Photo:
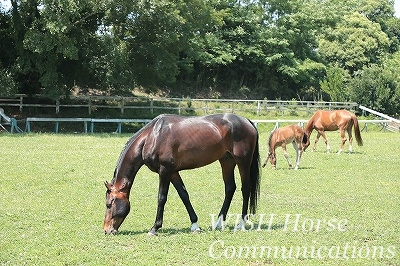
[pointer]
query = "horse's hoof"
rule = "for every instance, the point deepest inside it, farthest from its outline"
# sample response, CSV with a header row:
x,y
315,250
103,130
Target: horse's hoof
x,y
197,231
152,233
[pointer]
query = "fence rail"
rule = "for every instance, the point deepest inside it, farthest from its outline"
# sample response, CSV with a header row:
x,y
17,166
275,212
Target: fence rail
x,y
120,122
178,105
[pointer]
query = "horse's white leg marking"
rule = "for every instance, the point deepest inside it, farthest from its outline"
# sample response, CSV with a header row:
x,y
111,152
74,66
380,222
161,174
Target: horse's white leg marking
x,y
241,225
218,223
195,228
328,148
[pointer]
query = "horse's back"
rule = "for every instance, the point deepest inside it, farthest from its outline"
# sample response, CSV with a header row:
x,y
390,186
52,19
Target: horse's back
x,y
286,134
191,142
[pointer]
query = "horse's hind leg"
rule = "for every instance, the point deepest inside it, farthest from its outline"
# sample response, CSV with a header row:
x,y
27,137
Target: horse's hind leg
x,y
246,190
343,136
228,173
297,148
184,195
350,139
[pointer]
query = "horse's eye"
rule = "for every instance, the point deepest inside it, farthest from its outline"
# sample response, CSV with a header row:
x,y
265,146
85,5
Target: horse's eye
x,y
109,203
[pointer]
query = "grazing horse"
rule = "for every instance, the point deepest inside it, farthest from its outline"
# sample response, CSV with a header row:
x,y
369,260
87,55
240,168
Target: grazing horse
x,y
171,143
282,137
333,120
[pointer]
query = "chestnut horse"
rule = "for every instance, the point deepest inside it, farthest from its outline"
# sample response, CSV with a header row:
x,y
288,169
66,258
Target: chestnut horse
x,y
171,143
282,137
343,120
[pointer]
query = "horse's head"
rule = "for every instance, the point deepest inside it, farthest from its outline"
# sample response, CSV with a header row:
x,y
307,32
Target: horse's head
x,y
272,159
118,207
305,142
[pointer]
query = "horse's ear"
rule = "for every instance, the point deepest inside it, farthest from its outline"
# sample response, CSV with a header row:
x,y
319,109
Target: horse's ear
x,y
108,185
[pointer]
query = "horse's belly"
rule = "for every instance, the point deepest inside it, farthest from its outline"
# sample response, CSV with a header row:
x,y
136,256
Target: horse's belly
x,y
195,158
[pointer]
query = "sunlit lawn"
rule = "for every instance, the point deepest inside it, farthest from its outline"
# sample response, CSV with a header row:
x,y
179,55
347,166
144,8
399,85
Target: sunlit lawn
x,y
335,210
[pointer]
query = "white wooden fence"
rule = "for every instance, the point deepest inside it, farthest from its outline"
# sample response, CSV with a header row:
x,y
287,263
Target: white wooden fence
x,y
186,104
176,105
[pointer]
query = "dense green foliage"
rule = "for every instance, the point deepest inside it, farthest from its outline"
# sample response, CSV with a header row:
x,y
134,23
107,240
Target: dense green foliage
x,y
53,204
249,49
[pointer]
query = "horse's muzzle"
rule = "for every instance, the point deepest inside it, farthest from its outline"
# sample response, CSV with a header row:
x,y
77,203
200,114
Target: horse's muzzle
x,y
110,231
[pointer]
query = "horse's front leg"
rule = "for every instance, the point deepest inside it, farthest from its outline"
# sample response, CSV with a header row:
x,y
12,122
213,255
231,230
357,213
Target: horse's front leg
x,y
184,195
322,133
286,154
163,187
316,141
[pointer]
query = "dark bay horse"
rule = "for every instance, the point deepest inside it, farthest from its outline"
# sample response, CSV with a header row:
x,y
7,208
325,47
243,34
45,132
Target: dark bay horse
x,y
171,143
283,136
341,120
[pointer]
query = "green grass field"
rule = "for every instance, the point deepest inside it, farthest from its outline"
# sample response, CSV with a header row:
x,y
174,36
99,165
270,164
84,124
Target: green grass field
x,y
335,210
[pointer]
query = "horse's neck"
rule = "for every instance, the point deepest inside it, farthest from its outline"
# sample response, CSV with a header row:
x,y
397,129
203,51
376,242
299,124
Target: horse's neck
x,y
272,142
128,165
309,127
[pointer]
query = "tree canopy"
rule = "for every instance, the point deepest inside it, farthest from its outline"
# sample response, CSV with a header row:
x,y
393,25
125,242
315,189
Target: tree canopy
x,y
315,49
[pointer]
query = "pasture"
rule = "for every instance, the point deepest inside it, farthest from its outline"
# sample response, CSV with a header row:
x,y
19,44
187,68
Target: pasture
x,y
335,210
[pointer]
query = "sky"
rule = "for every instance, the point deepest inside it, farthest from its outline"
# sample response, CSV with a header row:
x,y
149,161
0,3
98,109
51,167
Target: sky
x,y
7,3
397,8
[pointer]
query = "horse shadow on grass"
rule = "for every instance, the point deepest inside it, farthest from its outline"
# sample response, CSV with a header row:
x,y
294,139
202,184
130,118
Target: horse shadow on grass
x,y
344,152
292,169
255,227
161,231
229,228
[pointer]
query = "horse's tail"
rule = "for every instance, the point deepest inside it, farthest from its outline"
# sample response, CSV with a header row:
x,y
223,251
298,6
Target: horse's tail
x,y
357,130
255,175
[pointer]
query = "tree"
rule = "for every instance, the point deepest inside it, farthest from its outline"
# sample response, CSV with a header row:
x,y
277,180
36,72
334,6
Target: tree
x,y
7,83
335,84
53,43
354,43
377,87
257,49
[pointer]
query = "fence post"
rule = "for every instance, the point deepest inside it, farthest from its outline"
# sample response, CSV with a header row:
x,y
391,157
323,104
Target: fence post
x,y
151,106
122,105
57,105
258,107
90,105
21,99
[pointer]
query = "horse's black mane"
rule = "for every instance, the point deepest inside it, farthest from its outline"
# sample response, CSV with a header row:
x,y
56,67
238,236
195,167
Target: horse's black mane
x,y
129,143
